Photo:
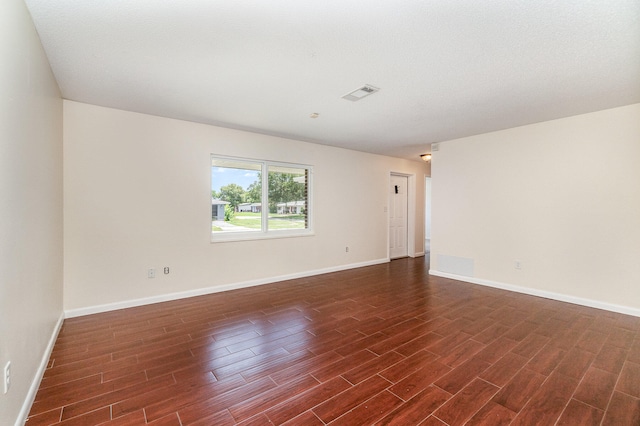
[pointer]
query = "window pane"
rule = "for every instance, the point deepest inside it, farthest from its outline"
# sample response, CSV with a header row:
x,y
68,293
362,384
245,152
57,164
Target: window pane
x,y
255,199
288,198
236,196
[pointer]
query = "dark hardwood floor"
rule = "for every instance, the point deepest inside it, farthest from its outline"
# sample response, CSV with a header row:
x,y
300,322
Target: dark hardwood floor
x,y
385,344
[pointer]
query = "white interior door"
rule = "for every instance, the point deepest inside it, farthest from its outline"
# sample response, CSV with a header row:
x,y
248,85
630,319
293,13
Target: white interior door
x,y
398,221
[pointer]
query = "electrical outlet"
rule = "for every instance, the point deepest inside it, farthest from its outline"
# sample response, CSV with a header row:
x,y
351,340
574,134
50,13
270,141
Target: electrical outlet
x,y
151,273
517,264
166,270
7,376
346,249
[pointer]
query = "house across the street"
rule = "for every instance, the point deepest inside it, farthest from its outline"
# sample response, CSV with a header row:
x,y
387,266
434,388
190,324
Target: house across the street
x,y
292,207
250,207
217,209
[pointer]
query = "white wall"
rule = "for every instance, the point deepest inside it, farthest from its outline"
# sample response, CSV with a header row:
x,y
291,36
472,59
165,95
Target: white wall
x,y
562,197
137,195
30,207
427,207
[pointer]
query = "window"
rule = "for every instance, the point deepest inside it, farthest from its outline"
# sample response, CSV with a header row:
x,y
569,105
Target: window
x,y
259,199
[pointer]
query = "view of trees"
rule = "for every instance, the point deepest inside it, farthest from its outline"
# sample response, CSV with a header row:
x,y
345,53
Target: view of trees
x,y
233,193
254,191
283,188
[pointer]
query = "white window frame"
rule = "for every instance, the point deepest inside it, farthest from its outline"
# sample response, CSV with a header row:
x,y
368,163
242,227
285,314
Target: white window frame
x,y
265,233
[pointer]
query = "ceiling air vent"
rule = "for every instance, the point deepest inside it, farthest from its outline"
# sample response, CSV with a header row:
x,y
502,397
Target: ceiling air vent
x,y
360,93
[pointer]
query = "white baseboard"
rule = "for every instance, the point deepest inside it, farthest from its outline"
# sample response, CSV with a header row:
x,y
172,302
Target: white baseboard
x,y
37,378
71,313
541,293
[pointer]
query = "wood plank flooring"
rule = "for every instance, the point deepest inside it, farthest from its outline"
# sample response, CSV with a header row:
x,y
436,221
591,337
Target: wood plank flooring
x,y
384,345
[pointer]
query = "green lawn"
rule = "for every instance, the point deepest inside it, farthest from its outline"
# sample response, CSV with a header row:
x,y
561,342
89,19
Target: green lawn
x,y
276,221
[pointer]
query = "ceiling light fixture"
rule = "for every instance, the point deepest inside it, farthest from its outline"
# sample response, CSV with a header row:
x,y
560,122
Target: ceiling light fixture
x,y
426,157
314,115
360,93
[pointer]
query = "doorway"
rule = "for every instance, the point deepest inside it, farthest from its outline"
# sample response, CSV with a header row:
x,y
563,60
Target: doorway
x,y
398,218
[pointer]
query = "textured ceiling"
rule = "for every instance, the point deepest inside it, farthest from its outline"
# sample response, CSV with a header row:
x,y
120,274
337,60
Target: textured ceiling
x,y
445,69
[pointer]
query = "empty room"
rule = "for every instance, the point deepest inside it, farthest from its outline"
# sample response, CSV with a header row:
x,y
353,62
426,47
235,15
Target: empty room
x,y
320,213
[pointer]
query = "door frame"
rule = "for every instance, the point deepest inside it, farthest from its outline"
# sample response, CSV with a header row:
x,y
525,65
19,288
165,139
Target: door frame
x,y
427,211
411,212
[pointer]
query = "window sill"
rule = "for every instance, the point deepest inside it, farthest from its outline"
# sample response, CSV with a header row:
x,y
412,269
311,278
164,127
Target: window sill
x,y
253,236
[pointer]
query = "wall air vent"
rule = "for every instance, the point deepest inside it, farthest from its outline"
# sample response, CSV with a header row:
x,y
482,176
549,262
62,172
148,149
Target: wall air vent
x,y
360,93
